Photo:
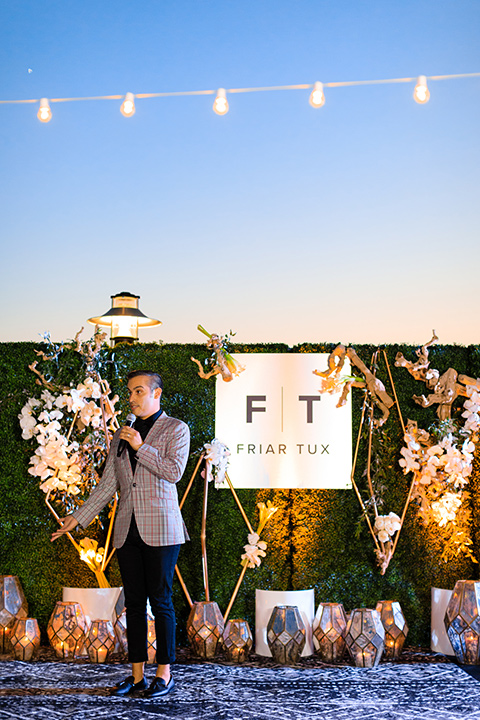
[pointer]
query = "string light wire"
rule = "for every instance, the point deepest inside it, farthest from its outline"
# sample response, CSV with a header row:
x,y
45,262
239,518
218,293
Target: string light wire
x,y
232,91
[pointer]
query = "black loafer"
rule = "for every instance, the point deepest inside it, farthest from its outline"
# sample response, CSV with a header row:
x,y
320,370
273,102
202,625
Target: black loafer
x,y
159,687
128,686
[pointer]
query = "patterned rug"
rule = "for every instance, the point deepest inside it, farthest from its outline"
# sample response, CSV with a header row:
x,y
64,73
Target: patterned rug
x,y
69,691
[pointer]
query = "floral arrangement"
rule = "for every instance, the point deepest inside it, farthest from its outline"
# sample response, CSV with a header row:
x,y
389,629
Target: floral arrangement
x,y
216,457
255,549
382,528
52,421
386,526
441,460
220,360
441,469
70,428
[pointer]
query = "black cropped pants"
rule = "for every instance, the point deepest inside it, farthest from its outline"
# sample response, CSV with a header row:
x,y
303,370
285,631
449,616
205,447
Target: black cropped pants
x,y
147,573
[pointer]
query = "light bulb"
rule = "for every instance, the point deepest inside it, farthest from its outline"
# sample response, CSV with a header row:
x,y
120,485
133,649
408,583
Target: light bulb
x,y
128,106
421,94
44,113
220,105
317,96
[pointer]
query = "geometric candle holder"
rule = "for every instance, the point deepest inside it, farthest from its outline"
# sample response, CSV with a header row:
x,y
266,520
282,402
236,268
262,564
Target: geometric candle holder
x,y
25,638
205,626
100,640
462,621
286,634
151,640
329,629
365,637
396,628
13,606
120,628
67,629
237,640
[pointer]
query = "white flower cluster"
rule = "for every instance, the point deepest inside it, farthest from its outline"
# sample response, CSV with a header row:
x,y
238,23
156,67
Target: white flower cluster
x,y
441,470
386,526
56,460
254,550
442,461
445,509
332,384
472,408
216,455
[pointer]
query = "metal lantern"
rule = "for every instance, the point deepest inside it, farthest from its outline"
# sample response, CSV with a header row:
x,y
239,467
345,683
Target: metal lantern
x,y
100,640
329,628
396,628
462,621
365,637
286,634
67,629
151,640
13,606
237,640
25,638
205,628
124,318
121,631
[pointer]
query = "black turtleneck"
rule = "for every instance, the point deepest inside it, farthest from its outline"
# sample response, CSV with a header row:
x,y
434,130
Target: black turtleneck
x,y
143,426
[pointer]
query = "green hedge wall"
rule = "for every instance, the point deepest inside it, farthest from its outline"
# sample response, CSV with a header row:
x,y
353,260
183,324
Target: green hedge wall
x,y
316,539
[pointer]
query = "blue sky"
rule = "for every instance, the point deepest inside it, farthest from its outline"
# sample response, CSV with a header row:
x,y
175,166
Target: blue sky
x,y
356,222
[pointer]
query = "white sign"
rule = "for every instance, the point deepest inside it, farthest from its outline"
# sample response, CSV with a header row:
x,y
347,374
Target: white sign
x,y
281,432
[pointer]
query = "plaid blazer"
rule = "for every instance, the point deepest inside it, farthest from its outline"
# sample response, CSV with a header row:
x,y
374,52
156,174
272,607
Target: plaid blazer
x,y
151,492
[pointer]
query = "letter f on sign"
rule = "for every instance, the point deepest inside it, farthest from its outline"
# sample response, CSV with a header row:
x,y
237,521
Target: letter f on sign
x,y
251,408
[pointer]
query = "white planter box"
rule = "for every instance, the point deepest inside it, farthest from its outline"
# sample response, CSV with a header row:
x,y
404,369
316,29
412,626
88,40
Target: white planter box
x,y
97,603
439,638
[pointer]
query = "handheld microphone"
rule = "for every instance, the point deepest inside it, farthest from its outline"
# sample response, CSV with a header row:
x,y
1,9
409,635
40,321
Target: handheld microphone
x,y
123,443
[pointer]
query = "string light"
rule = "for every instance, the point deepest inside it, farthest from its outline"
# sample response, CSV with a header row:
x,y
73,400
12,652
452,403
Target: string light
x,y
128,106
220,105
421,94
44,113
317,96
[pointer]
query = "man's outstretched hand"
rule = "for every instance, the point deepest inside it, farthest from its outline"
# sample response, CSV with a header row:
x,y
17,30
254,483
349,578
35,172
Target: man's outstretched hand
x,y
68,524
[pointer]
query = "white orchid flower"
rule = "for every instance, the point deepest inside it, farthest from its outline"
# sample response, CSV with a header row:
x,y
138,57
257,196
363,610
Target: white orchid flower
x,y
40,469
90,388
75,402
435,450
254,550
392,523
89,413
409,462
28,424
252,555
61,401
383,536
216,455
47,398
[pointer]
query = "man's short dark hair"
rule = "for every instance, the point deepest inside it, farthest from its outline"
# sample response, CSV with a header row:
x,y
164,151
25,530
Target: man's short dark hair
x,y
154,379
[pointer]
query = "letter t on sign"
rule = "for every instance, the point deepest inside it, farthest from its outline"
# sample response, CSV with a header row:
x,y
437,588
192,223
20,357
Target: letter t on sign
x,y
250,407
309,399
